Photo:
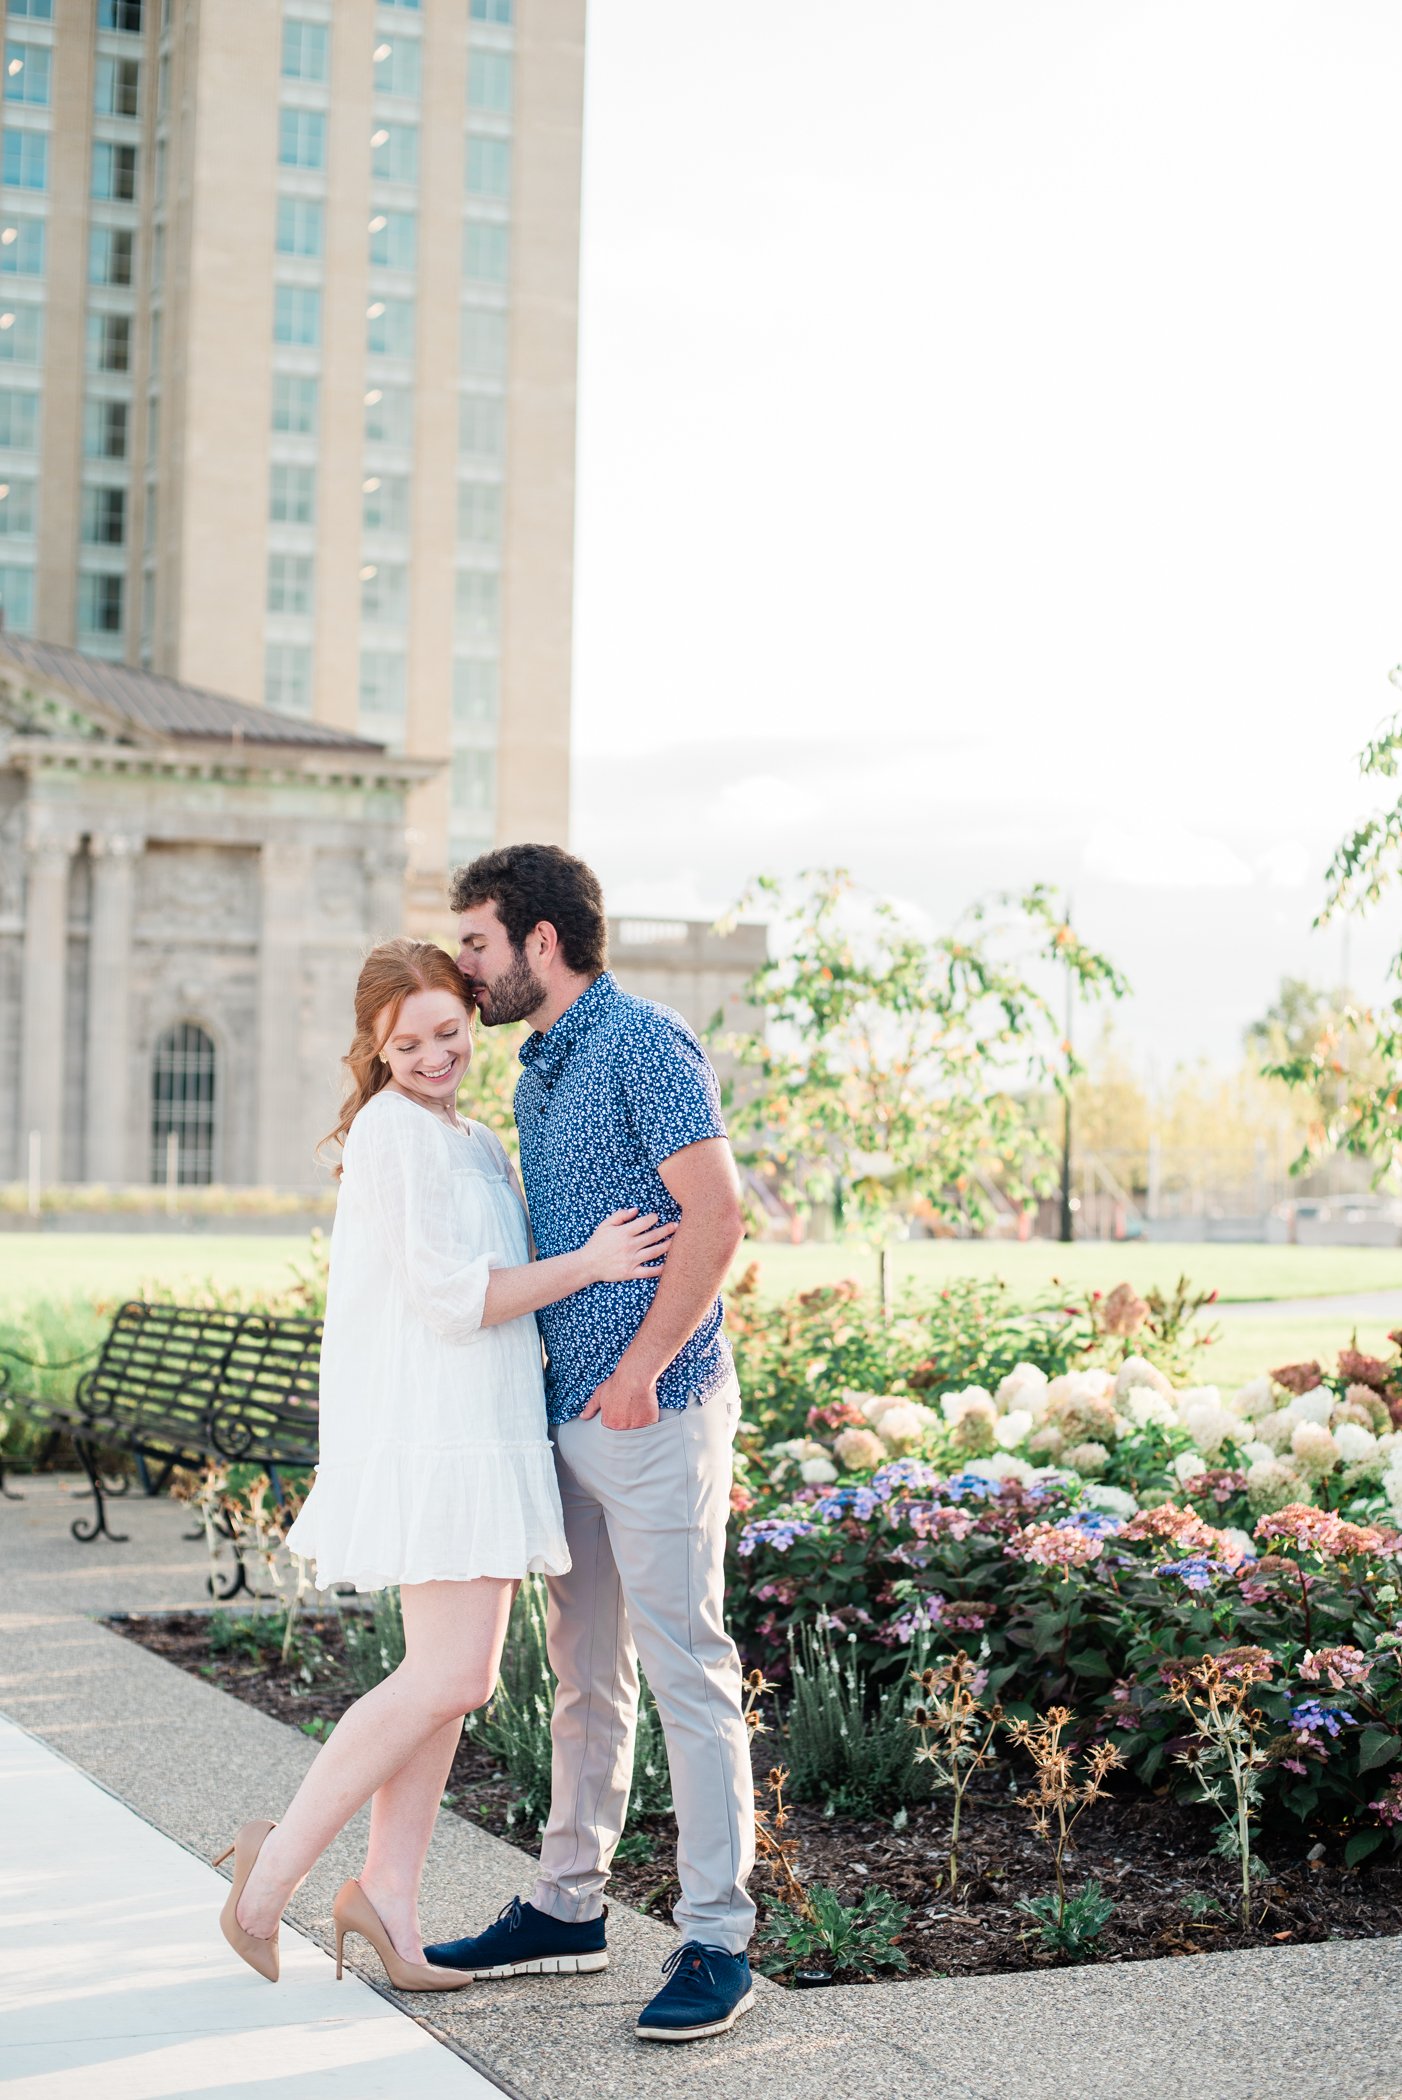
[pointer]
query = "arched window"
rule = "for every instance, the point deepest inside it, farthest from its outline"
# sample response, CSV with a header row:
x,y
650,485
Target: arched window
x,y
182,1105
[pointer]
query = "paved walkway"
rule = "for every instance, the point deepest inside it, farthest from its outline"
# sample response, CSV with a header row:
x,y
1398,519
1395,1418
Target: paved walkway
x,y
1296,2023
1358,1305
114,1976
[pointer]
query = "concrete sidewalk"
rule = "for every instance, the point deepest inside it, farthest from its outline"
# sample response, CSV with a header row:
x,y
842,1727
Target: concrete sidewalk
x,y
114,1976
1298,2023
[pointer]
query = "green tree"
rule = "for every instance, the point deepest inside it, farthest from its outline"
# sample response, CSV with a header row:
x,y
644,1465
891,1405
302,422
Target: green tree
x,y
891,1069
1353,1065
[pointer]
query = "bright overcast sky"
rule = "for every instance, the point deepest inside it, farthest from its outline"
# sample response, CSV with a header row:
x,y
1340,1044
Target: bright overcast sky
x,y
989,463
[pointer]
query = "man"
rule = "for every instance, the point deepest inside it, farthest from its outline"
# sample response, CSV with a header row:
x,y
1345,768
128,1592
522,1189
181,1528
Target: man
x,y
617,1105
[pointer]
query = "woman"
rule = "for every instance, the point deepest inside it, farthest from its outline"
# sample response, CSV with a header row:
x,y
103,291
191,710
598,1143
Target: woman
x,y
435,1470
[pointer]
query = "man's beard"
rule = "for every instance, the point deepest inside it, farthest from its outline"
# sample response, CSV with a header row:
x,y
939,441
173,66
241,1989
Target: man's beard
x,y
514,996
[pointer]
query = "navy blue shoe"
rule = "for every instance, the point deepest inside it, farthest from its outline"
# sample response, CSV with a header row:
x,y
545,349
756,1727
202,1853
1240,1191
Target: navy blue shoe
x,y
525,1942
706,1991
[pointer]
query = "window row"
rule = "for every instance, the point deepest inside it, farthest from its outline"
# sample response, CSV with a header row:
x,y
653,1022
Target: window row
x,y
23,248
21,335
301,231
28,73
16,509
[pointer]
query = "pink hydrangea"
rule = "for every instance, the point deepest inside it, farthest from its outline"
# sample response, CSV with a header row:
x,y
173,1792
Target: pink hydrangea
x,y
1339,1666
1048,1546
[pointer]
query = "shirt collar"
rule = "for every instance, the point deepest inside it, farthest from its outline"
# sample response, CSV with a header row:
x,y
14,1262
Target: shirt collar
x,y
546,1053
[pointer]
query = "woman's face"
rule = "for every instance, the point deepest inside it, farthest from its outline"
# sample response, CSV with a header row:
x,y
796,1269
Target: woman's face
x,y
429,1047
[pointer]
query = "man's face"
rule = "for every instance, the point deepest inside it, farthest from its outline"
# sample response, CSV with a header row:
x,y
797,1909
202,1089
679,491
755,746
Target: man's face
x,y
499,977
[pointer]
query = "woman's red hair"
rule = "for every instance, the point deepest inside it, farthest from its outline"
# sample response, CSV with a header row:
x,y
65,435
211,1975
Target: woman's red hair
x,y
390,974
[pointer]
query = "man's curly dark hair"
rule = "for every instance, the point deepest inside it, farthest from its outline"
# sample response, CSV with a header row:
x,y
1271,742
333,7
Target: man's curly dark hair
x,y
529,884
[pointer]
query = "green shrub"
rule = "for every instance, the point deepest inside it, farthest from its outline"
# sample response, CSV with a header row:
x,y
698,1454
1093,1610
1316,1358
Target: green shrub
x,y
374,1641
849,1744
851,1939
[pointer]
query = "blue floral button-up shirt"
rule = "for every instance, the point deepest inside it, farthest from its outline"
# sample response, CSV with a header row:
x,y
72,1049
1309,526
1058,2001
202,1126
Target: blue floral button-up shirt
x,y
604,1098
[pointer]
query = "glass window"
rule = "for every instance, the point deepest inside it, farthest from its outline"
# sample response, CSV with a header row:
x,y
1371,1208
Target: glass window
x,y
292,494
110,254
294,403
486,252
16,508
306,50
183,1085
117,86
474,784
289,583
109,342
382,681
113,172
395,152
27,70
384,593
104,517
492,11
398,66
158,256
476,687
410,7
389,330
287,683
26,160
33,10
479,513
120,14
301,226
478,595
154,343
100,604
488,167
153,428
389,415
481,427
17,598
19,420
394,240
163,85
22,245
489,81
483,343
301,138
148,522
104,429
297,314
386,503
21,333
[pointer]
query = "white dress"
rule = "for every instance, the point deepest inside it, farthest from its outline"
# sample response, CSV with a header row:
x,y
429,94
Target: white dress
x,y
434,1461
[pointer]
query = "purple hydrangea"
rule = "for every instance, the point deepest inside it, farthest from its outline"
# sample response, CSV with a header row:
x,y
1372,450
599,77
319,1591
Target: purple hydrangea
x,y
1310,1717
778,1532
1195,1571
860,1502
1091,1523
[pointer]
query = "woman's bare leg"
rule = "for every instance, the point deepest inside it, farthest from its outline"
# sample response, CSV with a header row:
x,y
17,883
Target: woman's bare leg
x,y
453,1633
402,1815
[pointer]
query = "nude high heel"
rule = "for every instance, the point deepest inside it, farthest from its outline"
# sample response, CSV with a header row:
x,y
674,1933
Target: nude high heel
x,y
261,1955
353,1911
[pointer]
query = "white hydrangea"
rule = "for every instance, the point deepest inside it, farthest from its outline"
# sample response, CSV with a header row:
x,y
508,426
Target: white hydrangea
x,y
1116,1502
1255,1451
1392,1487
1207,1421
1314,1447
1012,1427
1189,1466
1024,1387
1275,1431
875,1405
974,1399
1355,1443
1003,1466
905,1425
802,1448
1314,1406
1136,1373
1145,1404
1241,1542
1254,1399
818,1472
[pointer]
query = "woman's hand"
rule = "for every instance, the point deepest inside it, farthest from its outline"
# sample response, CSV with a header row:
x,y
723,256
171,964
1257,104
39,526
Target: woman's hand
x,y
626,1246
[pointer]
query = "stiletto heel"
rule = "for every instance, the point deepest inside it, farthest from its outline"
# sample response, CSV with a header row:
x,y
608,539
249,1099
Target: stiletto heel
x,y
260,1954
340,1953
227,1853
354,1912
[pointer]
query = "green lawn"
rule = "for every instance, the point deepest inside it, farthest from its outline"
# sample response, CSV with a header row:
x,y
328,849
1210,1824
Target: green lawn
x,y
112,1266
115,1265
1237,1273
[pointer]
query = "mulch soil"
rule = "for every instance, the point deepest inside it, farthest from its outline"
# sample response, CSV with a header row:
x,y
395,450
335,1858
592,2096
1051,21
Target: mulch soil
x,y
1152,1856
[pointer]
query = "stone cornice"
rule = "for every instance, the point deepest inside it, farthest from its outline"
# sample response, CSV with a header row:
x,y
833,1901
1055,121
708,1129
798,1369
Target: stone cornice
x,y
197,760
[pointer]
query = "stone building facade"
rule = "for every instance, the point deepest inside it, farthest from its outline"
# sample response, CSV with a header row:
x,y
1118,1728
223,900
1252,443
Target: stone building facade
x,y
187,885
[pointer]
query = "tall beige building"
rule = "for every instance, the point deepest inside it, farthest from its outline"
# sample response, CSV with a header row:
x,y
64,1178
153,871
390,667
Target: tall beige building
x,y
287,370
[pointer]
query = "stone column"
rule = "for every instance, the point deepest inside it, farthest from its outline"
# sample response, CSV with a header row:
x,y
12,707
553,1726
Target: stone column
x,y
113,1124
45,969
282,1151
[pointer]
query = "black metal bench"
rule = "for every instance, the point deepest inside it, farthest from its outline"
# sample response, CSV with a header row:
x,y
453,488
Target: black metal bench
x,y
179,1385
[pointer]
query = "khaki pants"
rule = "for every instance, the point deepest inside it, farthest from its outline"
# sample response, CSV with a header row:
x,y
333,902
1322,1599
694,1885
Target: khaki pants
x,y
645,1516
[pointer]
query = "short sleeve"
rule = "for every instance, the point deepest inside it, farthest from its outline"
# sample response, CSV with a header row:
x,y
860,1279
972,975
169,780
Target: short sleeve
x,y
671,1095
398,1168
